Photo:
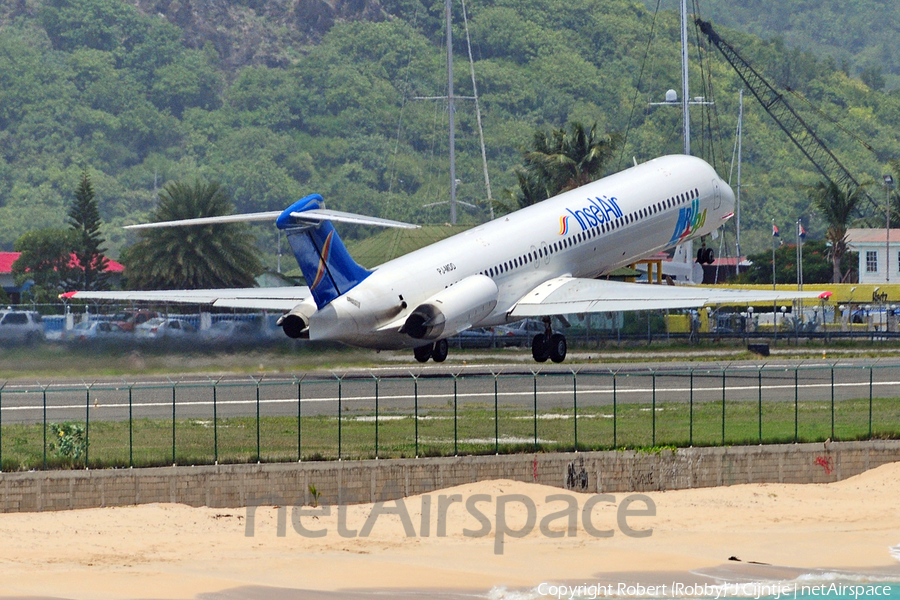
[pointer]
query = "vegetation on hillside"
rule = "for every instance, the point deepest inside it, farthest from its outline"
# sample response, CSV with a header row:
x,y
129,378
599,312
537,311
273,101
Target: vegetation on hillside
x,y
858,35
143,101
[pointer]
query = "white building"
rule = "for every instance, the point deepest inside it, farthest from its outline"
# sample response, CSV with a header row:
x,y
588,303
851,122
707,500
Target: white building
x,y
879,255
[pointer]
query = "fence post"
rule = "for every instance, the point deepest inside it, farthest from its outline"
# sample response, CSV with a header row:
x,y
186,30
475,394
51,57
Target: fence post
x,y
496,419
870,402
534,386
832,401
299,421
723,406
130,426
340,417
44,393
455,420
1,426
216,420
653,406
416,409
759,401
691,416
615,414
375,377
796,406
173,420
87,425
575,406
258,445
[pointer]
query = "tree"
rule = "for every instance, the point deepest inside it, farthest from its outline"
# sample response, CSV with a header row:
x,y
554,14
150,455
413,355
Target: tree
x,y
561,160
84,219
45,260
817,267
197,256
837,207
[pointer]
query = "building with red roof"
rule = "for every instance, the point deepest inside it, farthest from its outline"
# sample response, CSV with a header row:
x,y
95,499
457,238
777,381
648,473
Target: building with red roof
x,y
7,281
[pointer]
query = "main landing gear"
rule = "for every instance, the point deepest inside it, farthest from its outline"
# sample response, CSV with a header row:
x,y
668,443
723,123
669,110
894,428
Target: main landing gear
x,y
705,256
549,345
437,351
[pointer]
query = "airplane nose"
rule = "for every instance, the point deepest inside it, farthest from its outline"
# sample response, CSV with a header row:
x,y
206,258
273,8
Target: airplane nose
x,y
727,197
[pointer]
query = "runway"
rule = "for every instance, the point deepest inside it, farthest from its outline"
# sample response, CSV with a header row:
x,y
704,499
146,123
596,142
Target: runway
x,y
407,389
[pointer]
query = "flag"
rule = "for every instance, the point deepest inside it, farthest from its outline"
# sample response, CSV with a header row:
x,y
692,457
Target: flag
x,y
802,230
774,230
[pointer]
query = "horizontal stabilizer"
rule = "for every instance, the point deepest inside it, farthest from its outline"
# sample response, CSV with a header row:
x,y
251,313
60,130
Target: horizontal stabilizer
x,y
312,216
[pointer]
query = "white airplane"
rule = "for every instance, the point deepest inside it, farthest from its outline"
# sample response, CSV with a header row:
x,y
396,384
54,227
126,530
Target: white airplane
x,y
540,261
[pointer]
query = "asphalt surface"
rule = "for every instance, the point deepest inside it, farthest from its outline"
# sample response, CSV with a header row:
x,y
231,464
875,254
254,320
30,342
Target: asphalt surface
x,y
403,389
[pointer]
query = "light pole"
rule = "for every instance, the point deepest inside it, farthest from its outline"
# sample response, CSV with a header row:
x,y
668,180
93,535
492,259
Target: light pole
x,y
889,185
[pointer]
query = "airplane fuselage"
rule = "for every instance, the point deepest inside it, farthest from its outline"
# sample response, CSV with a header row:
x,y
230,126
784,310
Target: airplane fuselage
x,y
586,233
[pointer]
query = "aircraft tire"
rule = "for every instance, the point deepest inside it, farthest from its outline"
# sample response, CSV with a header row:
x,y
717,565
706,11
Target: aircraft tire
x,y
557,347
441,349
423,353
709,256
539,348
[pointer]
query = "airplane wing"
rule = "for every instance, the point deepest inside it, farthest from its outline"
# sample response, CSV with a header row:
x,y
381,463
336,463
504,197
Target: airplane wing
x,y
568,295
277,298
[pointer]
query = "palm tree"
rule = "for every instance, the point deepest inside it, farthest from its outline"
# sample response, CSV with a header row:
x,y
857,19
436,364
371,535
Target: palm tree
x,y
197,256
837,207
560,160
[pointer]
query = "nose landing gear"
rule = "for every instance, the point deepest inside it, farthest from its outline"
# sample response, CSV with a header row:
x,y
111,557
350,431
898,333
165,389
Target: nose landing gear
x,y
549,345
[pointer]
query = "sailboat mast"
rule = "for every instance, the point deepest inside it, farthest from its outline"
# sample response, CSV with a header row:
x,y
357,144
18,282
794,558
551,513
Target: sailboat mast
x,y
685,98
451,108
740,136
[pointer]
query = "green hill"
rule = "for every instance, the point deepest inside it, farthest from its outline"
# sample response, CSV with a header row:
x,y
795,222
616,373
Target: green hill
x,y
276,99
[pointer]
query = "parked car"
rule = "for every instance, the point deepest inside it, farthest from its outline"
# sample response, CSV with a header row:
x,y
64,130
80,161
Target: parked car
x,y
96,330
476,337
162,327
519,333
127,320
21,326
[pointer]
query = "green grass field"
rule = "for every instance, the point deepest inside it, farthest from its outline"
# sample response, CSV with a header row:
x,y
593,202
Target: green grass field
x,y
475,430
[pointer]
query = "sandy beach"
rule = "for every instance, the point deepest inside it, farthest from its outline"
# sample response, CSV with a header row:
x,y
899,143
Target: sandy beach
x,y
173,551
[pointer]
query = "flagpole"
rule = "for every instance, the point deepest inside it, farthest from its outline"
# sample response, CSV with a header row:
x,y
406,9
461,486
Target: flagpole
x,y
797,253
774,234
802,240
774,302
799,303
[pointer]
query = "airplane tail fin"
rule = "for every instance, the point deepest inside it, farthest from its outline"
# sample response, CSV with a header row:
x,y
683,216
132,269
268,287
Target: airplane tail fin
x,y
327,266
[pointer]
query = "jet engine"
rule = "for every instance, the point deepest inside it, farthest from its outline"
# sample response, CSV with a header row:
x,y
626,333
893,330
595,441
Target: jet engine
x,y
296,323
452,310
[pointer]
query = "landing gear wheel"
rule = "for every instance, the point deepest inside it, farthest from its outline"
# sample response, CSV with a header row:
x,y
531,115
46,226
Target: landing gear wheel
x,y
423,353
441,348
709,256
539,348
557,348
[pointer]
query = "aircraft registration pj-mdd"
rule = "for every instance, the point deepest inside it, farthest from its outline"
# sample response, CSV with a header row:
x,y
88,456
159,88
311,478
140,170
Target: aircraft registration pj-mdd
x,y
539,261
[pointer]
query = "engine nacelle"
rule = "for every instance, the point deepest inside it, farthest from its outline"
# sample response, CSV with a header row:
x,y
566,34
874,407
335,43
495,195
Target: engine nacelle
x,y
296,323
453,310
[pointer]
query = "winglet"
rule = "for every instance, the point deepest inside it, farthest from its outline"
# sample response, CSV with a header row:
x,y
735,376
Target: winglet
x,y
67,295
825,295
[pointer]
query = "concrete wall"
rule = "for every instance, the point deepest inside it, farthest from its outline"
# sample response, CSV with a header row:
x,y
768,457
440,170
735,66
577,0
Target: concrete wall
x,y
378,480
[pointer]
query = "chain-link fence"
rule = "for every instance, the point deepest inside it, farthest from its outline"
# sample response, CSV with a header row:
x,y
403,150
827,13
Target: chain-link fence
x,y
291,418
